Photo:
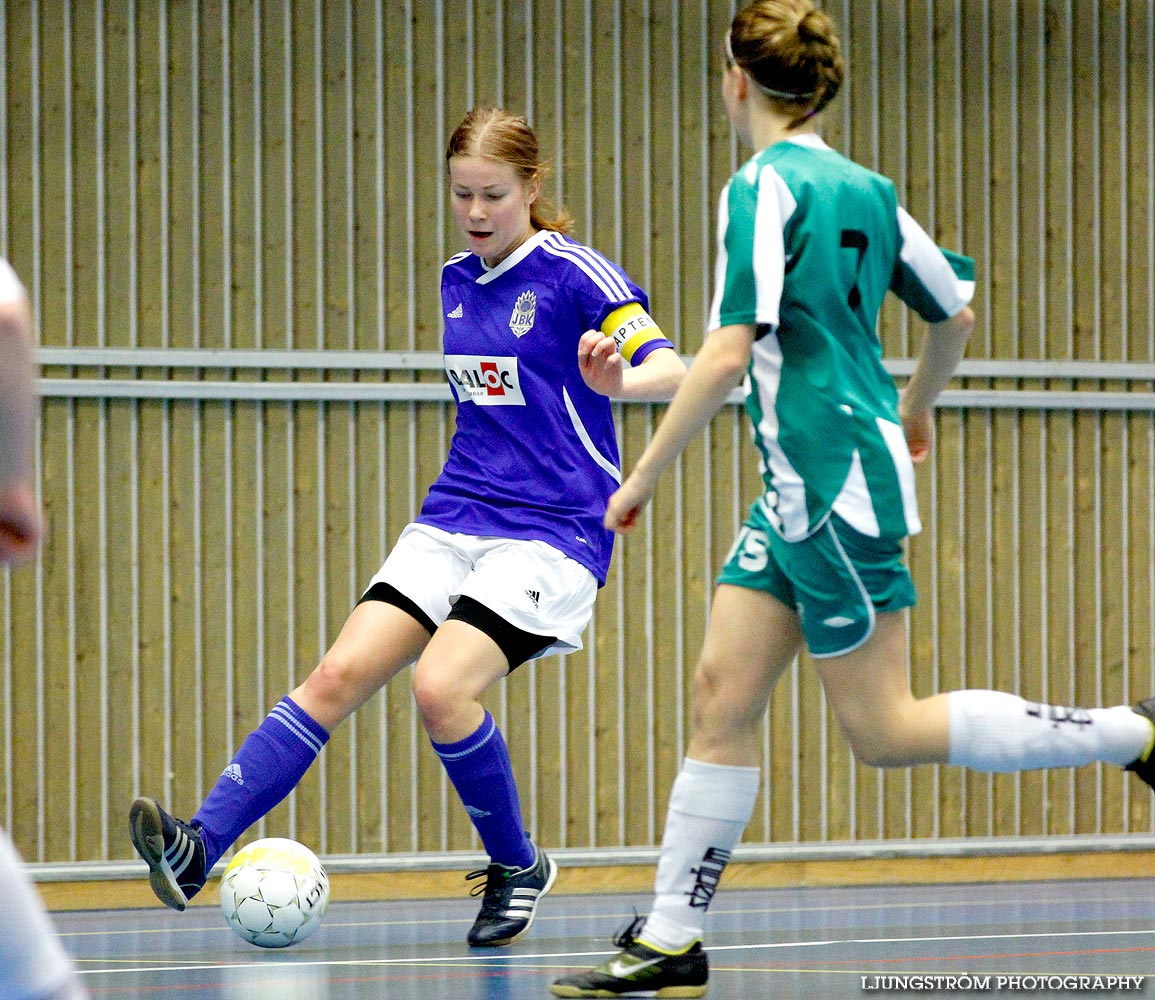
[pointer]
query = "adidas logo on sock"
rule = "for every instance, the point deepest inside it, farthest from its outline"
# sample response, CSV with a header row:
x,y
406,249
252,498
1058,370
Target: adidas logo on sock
x,y
477,813
234,771
533,595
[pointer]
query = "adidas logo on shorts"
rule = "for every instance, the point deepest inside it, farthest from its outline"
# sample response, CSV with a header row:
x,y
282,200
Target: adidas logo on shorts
x,y
534,596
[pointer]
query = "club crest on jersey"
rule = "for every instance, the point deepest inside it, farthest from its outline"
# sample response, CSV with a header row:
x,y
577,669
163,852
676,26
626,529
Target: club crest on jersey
x,y
521,322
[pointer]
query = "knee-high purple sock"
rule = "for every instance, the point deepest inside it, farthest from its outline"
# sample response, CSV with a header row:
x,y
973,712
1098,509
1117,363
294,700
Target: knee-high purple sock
x,y
480,770
269,764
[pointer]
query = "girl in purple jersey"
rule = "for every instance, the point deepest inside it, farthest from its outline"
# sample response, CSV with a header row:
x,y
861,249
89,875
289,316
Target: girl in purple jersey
x,y
484,580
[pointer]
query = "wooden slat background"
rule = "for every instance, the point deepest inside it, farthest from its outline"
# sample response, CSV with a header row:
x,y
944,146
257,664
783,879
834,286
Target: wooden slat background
x,y
269,175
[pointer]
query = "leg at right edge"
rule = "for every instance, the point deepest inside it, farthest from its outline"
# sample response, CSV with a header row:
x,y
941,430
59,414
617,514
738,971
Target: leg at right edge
x,y
885,725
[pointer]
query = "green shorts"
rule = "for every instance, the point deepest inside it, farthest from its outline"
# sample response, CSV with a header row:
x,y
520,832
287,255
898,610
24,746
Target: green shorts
x,y
836,579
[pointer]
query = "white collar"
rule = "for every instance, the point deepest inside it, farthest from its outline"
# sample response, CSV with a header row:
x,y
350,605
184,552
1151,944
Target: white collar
x,y
518,255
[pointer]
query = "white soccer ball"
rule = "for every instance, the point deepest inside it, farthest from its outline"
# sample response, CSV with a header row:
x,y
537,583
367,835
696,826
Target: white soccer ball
x,y
274,892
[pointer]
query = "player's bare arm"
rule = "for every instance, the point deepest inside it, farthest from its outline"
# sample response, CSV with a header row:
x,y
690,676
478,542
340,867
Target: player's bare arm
x,y
717,369
20,521
942,350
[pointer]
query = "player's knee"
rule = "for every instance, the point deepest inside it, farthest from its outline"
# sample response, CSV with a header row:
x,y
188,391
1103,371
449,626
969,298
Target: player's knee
x,y
332,676
888,730
439,699
327,694
873,755
708,687
718,706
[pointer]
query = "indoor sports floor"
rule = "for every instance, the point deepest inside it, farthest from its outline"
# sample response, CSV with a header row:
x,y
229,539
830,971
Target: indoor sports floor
x,y
780,943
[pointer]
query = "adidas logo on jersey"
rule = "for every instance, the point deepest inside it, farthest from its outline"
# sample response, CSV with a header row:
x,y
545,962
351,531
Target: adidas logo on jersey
x,y
533,595
234,771
456,313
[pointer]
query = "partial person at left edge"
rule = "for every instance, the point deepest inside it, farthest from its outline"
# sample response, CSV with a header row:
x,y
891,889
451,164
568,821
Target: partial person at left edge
x,y
33,963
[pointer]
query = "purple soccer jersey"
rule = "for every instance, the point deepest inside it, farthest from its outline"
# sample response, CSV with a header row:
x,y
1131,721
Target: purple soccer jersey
x,y
534,454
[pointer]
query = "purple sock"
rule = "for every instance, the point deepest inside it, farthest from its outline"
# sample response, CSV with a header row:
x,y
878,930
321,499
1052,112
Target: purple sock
x,y
269,764
480,770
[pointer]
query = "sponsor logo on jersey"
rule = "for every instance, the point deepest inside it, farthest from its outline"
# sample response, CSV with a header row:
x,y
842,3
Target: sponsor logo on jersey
x,y
524,310
485,380
457,312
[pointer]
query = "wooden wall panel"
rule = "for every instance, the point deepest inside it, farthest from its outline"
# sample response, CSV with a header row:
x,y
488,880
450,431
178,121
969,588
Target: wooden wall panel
x,y
268,174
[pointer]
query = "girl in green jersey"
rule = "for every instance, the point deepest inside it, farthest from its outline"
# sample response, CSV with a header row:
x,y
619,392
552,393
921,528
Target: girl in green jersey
x,y
808,245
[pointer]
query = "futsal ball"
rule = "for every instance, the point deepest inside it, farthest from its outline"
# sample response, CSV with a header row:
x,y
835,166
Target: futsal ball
x,y
274,892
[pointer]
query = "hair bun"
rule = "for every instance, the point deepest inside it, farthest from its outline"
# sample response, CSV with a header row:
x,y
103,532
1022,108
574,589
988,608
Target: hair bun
x,y
812,27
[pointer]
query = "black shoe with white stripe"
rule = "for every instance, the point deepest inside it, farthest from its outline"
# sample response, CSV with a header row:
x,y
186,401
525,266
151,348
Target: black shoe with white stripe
x,y
173,850
510,902
1144,764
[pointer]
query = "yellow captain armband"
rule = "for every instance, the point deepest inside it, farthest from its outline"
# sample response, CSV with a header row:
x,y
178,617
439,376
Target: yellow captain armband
x,y
631,327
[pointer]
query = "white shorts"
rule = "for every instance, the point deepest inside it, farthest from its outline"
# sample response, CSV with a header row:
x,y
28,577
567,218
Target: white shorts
x,y
528,583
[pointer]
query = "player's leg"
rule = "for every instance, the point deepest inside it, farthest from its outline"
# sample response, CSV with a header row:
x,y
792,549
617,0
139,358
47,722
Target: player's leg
x,y
460,663
522,599
887,726
377,641
404,603
751,639
868,686
33,964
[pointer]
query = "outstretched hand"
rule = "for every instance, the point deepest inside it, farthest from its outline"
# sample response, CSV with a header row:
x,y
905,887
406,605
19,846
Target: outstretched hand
x,y
20,525
600,363
919,428
627,504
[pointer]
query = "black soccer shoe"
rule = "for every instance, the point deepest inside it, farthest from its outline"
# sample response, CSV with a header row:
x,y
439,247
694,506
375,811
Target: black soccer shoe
x,y
1144,765
173,850
640,971
510,901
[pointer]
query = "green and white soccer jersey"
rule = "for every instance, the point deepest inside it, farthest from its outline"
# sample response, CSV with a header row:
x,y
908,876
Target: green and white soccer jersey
x,y
809,243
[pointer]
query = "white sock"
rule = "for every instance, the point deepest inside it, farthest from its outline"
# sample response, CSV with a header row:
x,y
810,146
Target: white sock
x,y
993,731
710,806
